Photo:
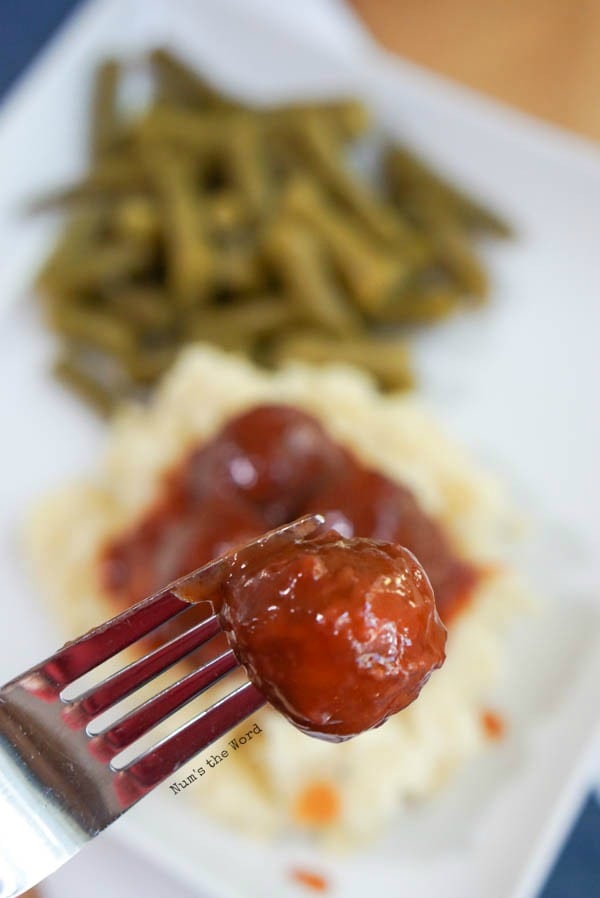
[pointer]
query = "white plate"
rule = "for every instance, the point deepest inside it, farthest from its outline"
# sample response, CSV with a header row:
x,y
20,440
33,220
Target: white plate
x,y
518,382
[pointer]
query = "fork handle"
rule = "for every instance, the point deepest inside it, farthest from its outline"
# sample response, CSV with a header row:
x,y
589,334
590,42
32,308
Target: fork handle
x,y
33,840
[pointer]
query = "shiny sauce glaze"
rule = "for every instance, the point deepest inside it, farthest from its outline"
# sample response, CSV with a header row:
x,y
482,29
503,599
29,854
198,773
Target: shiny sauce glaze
x,y
266,467
337,633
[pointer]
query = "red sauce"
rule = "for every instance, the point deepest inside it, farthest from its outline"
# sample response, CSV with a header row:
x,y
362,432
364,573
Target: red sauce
x,y
266,467
311,880
493,725
318,803
338,634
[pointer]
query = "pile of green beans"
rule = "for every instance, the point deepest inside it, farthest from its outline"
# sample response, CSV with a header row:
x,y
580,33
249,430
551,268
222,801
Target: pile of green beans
x,y
202,219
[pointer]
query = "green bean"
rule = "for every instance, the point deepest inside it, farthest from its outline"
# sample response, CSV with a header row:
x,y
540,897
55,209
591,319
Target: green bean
x,y
387,361
443,223
190,262
450,245
97,328
68,371
146,363
146,308
370,273
226,212
246,165
100,266
299,260
457,257
105,126
407,175
317,143
110,178
178,82
136,218
348,118
199,131
238,270
212,129
239,325
421,304
81,229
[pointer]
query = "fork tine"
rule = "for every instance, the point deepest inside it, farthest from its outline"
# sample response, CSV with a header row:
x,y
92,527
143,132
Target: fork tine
x,y
105,745
199,585
78,713
98,645
155,765
92,649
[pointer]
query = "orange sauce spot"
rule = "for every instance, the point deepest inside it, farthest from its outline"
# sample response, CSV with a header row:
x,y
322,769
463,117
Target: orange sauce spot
x,y
311,880
317,804
493,724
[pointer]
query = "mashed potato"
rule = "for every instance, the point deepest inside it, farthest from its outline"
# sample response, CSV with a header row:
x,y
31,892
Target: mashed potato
x,y
362,783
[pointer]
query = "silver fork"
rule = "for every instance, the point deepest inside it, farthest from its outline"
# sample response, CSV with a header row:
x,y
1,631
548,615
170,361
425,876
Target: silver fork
x,y
59,785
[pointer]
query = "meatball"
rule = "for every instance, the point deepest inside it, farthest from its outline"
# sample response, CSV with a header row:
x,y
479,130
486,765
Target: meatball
x,y
337,633
274,456
362,502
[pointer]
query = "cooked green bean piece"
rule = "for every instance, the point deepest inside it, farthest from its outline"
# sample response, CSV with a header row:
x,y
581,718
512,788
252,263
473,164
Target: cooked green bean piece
x,y
136,218
349,119
421,304
226,212
98,266
239,325
431,217
201,132
190,262
67,370
387,361
179,83
105,125
317,143
146,308
212,129
407,175
299,260
246,164
80,231
145,364
371,274
450,245
94,327
111,177
457,257
238,270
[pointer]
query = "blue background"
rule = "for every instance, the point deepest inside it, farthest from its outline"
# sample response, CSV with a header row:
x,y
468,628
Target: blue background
x,y
25,25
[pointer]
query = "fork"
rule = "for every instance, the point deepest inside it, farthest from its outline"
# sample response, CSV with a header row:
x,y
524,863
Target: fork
x,y
59,783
